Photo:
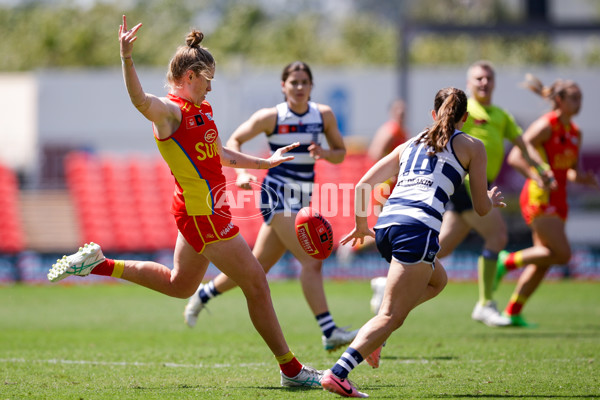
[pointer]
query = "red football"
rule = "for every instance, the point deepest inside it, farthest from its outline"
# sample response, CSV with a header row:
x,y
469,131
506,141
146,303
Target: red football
x,y
314,233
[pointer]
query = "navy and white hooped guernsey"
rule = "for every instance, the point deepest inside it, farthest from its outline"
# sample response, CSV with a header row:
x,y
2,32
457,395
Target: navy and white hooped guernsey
x,y
425,183
292,180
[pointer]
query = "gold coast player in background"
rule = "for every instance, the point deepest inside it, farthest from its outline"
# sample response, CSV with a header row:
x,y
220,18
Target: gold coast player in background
x,y
554,140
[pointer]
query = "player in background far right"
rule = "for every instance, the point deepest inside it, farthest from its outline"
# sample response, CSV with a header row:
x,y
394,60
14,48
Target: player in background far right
x,y
553,140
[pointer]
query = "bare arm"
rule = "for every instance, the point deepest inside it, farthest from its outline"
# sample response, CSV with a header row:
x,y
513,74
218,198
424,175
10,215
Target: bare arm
x,y
236,159
535,135
261,121
527,159
337,149
165,115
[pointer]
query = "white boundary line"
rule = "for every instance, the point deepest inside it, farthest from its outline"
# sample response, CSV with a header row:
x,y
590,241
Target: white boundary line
x,y
128,364
247,365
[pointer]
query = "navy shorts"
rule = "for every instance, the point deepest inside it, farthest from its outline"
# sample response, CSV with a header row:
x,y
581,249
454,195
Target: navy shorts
x,y
277,197
408,244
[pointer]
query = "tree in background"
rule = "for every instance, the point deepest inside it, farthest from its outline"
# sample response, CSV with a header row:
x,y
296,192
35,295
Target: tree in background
x,y
57,34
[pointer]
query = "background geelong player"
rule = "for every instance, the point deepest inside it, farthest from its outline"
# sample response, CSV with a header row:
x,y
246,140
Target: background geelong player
x,y
297,119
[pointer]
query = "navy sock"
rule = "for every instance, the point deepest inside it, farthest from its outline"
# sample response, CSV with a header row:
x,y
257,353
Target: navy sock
x,y
489,254
207,292
326,323
347,362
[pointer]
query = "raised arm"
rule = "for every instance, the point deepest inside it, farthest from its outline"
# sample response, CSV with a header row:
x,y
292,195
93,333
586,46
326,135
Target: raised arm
x,y
261,121
165,115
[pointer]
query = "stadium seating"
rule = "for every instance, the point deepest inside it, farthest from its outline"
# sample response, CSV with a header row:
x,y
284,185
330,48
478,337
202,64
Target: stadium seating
x,y
120,201
12,236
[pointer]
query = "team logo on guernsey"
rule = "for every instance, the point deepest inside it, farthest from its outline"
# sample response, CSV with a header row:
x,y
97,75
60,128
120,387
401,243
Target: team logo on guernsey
x,y
210,136
194,121
284,129
190,122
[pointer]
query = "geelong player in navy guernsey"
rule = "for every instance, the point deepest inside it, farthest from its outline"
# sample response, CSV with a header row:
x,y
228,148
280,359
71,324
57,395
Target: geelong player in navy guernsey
x,y
429,168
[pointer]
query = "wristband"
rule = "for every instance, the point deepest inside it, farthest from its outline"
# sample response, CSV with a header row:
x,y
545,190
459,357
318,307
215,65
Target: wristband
x,y
542,168
124,58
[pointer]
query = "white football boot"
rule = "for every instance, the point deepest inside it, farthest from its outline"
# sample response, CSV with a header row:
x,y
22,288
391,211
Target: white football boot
x,y
489,315
339,337
80,263
308,377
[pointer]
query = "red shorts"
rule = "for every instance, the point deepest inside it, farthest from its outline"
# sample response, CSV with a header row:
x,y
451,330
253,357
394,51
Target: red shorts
x,y
536,202
200,230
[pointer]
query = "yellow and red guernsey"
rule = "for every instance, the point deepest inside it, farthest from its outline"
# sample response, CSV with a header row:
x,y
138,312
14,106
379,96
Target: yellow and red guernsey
x,y
560,152
193,156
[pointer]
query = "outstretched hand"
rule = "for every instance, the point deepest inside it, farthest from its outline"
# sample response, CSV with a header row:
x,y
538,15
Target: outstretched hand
x,y
316,151
278,158
496,197
589,178
127,37
357,236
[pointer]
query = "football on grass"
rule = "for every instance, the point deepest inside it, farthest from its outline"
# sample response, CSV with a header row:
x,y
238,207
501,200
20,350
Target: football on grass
x,y
314,233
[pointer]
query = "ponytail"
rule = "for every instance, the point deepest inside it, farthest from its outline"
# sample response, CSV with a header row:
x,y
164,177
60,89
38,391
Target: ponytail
x,y
450,106
558,88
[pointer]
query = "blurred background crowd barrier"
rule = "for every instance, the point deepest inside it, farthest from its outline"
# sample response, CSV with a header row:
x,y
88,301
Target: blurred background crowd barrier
x,y
122,202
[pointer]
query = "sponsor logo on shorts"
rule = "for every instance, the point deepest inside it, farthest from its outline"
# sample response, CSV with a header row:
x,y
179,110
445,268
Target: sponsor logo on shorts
x,y
226,230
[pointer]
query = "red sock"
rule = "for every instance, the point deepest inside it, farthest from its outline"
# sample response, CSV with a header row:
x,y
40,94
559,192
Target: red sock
x,y
515,305
105,268
514,260
292,368
509,262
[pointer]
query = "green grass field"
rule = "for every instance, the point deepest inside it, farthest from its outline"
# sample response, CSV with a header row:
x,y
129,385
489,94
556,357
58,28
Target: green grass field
x,y
126,342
